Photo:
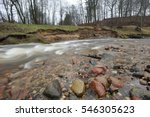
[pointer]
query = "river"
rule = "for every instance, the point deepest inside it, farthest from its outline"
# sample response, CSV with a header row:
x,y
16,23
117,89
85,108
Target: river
x,y
25,54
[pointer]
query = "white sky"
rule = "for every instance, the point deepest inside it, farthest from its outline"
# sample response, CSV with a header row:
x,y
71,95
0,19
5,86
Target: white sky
x,y
72,1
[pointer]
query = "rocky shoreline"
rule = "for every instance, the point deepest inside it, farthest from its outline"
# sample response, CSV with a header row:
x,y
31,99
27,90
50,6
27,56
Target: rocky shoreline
x,y
116,71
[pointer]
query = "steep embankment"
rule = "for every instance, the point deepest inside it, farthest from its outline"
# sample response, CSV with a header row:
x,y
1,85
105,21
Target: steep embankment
x,y
19,33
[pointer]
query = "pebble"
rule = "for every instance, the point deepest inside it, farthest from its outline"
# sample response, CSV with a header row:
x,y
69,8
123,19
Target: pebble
x,y
34,92
98,71
148,88
137,93
64,90
98,88
138,75
143,82
53,90
135,98
134,69
147,68
118,67
103,80
78,87
66,94
114,72
63,97
127,98
107,56
147,76
113,89
115,82
2,88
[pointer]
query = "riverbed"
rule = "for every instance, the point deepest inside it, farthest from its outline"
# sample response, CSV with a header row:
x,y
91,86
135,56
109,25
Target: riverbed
x,y
27,69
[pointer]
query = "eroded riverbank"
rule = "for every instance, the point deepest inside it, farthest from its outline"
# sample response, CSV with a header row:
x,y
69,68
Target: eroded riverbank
x,y
88,69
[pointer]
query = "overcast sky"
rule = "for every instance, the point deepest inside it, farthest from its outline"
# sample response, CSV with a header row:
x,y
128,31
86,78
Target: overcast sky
x,y
72,1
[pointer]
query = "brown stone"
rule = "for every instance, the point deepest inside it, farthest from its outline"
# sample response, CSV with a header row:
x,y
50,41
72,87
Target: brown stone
x,y
115,82
103,80
2,88
78,87
98,88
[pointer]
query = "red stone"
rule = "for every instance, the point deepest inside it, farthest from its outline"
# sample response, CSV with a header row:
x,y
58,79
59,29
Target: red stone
x,y
22,94
135,98
98,71
98,88
116,82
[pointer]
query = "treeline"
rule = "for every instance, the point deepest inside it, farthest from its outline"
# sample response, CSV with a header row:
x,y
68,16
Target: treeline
x,y
36,11
58,12
103,9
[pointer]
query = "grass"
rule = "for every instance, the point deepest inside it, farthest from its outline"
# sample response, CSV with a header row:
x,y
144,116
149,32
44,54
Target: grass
x,y
127,31
14,28
17,31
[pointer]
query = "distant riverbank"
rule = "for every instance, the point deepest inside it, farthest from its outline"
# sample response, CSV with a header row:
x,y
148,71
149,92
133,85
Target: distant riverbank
x,y
19,33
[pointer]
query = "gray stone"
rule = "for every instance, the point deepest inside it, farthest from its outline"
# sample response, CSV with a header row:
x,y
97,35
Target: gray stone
x,y
134,69
139,93
107,56
53,90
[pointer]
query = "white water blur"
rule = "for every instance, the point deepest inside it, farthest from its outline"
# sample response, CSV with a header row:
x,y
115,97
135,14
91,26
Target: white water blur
x,y
22,52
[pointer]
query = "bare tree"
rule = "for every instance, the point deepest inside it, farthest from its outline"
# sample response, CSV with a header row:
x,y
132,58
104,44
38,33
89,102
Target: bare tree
x,y
111,5
19,9
54,12
91,7
61,11
9,10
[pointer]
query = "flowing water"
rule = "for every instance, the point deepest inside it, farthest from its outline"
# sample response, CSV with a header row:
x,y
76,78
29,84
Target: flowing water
x,y
24,54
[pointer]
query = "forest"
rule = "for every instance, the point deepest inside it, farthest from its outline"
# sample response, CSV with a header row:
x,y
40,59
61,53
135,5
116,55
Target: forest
x,y
59,12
